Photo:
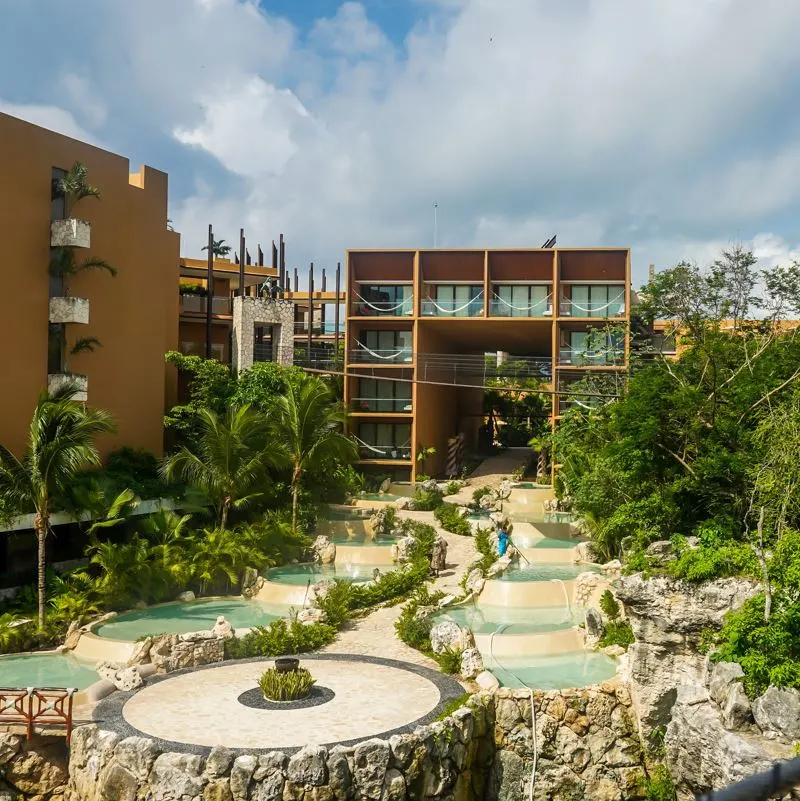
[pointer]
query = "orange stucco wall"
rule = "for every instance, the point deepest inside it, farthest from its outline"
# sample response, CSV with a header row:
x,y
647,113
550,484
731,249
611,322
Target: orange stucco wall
x,y
134,315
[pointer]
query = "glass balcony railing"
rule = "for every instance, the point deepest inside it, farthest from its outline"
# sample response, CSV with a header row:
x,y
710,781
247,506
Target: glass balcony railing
x,y
381,404
399,452
365,355
459,307
583,358
512,307
197,304
394,302
610,302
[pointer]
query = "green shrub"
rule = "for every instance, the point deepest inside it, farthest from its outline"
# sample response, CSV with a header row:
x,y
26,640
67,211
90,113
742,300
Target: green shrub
x,y
659,785
480,492
453,706
427,501
415,629
280,638
609,605
291,686
450,660
450,519
336,603
713,558
452,487
618,632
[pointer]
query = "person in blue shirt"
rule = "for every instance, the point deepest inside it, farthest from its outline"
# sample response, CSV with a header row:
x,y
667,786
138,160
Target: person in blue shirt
x,y
502,540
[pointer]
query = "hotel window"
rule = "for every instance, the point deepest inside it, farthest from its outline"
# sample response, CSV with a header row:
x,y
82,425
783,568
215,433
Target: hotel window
x,y
522,300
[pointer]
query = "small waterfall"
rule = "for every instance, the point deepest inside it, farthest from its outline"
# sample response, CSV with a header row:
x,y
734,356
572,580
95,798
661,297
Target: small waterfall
x,y
567,603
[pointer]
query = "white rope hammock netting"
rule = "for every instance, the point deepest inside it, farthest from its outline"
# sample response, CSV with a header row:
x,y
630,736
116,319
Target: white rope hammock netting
x,y
387,357
383,307
386,450
544,302
592,308
431,303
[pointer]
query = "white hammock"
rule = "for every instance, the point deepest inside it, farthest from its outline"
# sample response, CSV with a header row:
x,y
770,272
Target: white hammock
x,y
393,355
385,450
546,301
383,308
591,309
445,310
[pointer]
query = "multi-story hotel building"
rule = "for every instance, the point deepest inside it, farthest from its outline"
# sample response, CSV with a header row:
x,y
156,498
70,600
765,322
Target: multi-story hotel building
x,y
420,324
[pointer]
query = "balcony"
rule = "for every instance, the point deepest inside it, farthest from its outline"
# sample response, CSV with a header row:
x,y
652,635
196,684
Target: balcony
x,y
197,304
364,355
593,300
454,301
391,300
367,452
70,233
319,329
534,300
575,357
69,310
57,382
381,405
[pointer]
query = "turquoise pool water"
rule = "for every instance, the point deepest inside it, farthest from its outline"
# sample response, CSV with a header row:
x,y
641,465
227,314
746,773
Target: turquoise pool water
x,y
180,618
531,485
362,539
45,670
347,514
483,619
553,672
302,574
546,542
544,572
377,496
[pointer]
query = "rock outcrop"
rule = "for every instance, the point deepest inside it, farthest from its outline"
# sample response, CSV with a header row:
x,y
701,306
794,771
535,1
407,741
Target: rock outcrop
x,y
324,550
668,617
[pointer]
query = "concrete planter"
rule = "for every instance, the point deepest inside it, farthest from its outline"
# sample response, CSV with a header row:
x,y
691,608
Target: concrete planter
x,y
56,381
70,234
69,310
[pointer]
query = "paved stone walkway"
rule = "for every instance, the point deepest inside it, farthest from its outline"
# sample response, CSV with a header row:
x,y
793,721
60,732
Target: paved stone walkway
x,y
374,635
491,472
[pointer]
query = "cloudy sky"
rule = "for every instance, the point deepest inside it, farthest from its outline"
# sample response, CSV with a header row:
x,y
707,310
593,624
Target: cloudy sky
x,y
670,127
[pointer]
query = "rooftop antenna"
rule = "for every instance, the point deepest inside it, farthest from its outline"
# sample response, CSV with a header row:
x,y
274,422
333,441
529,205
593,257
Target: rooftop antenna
x,y
550,242
435,221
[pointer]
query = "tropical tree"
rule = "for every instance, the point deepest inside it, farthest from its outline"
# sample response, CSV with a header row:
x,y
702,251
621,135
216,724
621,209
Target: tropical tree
x,y
307,425
218,558
219,248
74,185
60,443
228,461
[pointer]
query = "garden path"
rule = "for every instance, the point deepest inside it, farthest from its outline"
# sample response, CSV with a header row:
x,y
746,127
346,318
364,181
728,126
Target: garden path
x,y
490,472
374,635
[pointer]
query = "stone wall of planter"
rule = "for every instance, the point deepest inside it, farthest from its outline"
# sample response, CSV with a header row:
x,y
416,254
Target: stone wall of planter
x,y
483,752
35,767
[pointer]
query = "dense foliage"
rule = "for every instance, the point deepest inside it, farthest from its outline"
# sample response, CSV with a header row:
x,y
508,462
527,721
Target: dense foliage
x,y
449,517
703,450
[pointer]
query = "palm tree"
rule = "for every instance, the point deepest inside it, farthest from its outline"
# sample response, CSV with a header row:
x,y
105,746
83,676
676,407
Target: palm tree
x,y
75,186
307,422
218,558
228,461
60,443
219,248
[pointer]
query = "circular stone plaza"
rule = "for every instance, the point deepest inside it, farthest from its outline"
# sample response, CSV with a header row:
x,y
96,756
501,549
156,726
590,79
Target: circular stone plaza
x,y
356,698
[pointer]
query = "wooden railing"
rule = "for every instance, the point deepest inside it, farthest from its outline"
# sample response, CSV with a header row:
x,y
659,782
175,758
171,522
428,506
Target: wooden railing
x,y
37,706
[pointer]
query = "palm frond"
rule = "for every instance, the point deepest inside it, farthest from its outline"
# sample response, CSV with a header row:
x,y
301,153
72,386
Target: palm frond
x,y
85,345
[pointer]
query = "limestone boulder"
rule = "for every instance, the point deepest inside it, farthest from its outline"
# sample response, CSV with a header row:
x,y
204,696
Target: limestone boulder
x,y
778,711
474,580
222,629
186,597
324,550
446,635
487,681
595,627
385,486
661,550
405,547
503,492
588,588
124,679
308,766
140,655
668,618
310,616
471,663
585,552
430,485
370,764
703,755
320,590
498,567
74,633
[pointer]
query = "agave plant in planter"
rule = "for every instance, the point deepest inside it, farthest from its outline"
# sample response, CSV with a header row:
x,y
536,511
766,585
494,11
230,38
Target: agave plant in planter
x,y
292,686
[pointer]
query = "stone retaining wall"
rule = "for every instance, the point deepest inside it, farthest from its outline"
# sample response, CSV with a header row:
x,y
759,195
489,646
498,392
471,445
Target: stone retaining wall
x,y
36,767
484,752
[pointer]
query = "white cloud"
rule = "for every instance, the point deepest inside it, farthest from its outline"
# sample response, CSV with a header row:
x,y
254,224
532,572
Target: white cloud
x,y
50,117
668,127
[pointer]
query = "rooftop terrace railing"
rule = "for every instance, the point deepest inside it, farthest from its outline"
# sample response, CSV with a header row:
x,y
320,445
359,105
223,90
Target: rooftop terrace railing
x,y
197,304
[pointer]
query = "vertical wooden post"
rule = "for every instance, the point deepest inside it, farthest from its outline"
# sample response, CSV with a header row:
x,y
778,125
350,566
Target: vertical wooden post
x,y
282,264
336,317
322,305
310,310
210,289
296,281
241,262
